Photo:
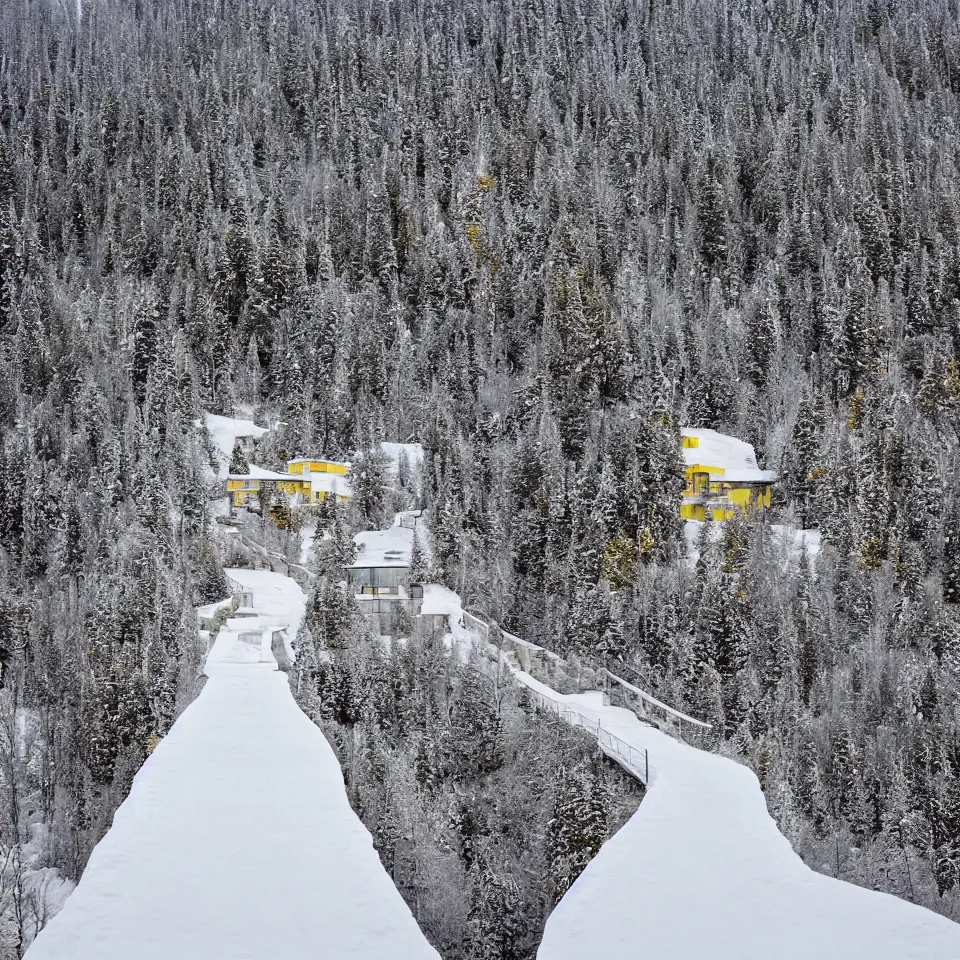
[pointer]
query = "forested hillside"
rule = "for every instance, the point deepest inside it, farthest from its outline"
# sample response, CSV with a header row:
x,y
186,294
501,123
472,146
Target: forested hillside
x,y
537,236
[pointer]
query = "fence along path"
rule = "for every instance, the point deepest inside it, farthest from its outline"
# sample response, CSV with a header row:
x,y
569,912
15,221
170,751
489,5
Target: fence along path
x,y
635,760
669,715
703,840
632,757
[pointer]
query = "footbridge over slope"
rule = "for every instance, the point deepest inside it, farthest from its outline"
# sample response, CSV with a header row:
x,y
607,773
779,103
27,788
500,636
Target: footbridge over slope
x,y
237,841
701,869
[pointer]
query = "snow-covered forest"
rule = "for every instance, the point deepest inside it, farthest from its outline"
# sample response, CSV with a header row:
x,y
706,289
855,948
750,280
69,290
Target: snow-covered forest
x,y
537,237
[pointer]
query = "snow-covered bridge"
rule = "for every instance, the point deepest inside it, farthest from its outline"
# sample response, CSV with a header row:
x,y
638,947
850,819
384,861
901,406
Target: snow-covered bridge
x,y
237,839
701,869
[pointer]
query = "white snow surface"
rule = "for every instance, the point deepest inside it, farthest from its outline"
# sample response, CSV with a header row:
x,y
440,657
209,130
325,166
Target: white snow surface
x,y
330,483
701,871
237,841
735,457
225,431
412,451
439,600
799,542
307,532
384,548
210,609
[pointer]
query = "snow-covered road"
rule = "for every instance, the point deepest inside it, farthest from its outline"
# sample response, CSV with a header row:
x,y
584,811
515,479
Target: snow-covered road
x,y
237,839
701,872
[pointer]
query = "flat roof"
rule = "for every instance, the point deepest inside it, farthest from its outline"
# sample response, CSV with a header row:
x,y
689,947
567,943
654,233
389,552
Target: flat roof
x,y
339,463
383,548
736,458
745,476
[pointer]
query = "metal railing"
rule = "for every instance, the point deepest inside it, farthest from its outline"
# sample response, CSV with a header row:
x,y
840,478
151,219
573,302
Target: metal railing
x,y
678,721
270,557
670,715
635,760
469,620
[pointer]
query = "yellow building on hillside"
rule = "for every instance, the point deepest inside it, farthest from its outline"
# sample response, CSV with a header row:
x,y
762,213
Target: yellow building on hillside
x,y
306,465
306,481
722,476
244,487
321,478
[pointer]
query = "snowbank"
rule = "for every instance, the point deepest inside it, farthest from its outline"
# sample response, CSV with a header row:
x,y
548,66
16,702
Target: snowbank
x,y
412,451
208,611
799,542
237,839
701,870
307,533
439,600
225,431
384,548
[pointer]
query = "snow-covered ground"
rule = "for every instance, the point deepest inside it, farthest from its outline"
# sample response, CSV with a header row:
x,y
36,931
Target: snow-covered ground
x,y
798,542
237,839
412,451
225,431
439,600
307,532
384,548
701,871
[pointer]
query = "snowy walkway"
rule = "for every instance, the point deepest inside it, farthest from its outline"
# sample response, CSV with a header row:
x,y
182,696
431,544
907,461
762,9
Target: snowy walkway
x,y
701,871
237,840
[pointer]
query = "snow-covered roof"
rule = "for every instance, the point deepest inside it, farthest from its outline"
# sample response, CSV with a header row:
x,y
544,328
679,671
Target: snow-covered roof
x,y
225,431
258,473
384,548
339,463
734,459
745,476
330,483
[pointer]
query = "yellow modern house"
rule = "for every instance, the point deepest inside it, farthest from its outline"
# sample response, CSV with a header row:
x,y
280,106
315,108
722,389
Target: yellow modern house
x,y
320,478
722,476
306,481
243,487
304,466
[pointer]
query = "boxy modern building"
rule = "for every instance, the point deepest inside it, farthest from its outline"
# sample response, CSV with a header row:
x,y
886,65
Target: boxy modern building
x,y
722,476
380,575
306,481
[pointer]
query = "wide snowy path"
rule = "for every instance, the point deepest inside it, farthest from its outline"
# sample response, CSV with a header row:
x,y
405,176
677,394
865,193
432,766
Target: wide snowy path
x,y
237,840
701,871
